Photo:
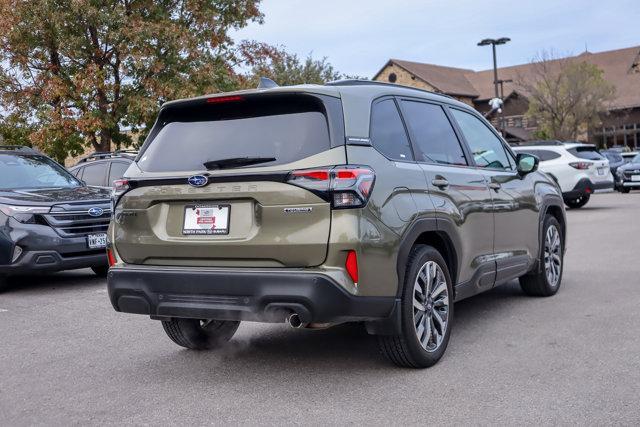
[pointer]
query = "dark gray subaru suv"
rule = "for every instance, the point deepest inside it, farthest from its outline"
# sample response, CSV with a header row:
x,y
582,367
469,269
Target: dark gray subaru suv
x,y
348,202
49,220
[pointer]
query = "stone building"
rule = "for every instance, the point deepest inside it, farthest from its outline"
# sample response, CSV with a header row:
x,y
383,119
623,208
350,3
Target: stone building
x,y
621,67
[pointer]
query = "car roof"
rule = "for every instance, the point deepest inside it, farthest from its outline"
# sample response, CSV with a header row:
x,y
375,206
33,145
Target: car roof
x,y
356,96
564,145
338,89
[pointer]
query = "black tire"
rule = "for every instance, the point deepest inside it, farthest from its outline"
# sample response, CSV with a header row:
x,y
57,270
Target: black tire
x,y
406,349
4,284
538,283
625,190
101,271
577,202
200,334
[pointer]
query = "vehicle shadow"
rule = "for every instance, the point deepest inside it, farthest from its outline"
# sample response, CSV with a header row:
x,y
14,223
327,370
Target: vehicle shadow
x,y
269,349
58,280
588,208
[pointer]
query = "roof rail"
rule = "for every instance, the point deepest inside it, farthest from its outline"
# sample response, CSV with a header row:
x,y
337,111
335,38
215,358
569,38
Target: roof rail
x,y
99,155
360,82
19,148
127,151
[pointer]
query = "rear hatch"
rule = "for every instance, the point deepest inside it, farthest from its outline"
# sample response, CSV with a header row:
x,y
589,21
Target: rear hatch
x,y
210,187
598,165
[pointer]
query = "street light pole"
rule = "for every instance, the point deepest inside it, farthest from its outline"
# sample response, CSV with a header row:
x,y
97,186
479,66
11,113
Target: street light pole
x,y
495,70
493,43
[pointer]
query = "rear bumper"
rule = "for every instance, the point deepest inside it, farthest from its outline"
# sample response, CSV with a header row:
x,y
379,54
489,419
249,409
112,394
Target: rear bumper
x,y
586,186
232,294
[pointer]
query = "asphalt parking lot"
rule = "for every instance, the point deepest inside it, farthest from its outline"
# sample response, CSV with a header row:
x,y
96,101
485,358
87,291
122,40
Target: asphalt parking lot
x,y
67,358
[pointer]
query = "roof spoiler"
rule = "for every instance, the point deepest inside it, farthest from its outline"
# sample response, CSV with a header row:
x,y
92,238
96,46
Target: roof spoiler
x,y
266,83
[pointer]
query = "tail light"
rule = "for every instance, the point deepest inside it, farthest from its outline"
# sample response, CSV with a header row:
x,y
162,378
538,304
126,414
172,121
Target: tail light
x,y
224,99
120,186
343,186
111,257
351,264
581,165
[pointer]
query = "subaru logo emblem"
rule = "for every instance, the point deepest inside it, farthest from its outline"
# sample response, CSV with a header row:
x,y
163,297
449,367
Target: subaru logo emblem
x,y
198,180
96,211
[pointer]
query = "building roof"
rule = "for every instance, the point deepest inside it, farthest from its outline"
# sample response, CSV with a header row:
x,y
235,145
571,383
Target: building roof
x,y
449,80
621,67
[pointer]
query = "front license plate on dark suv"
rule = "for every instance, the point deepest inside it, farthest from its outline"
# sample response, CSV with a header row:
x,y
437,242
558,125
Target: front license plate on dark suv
x,y
97,241
206,219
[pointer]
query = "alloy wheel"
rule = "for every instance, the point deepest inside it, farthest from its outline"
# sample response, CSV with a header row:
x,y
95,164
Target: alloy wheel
x,y
430,306
552,255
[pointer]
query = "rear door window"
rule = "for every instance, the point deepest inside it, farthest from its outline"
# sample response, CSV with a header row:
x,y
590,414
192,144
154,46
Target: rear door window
x,y
95,174
388,135
117,171
587,153
287,128
434,138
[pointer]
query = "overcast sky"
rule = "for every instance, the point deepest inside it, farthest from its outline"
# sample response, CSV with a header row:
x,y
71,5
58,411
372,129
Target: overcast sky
x,y
358,37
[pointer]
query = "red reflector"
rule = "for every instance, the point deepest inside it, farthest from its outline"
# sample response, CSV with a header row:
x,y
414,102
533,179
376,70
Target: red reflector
x,y
320,175
223,99
352,266
111,258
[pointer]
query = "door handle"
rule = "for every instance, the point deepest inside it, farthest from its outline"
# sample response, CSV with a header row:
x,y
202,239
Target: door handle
x,y
494,185
441,183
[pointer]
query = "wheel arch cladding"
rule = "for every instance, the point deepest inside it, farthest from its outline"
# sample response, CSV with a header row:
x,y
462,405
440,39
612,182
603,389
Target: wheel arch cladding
x,y
426,233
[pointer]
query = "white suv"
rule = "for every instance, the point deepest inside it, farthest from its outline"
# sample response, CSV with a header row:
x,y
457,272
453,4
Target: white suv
x,y
579,169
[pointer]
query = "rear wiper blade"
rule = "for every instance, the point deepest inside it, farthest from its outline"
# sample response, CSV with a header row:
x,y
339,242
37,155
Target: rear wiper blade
x,y
236,161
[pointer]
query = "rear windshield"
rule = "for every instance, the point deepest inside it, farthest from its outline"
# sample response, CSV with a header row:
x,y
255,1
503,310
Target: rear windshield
x,y
543,155
27,172
287,128
588,153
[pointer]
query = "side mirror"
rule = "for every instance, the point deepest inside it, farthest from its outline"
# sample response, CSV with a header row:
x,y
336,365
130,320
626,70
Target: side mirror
x,y
527,163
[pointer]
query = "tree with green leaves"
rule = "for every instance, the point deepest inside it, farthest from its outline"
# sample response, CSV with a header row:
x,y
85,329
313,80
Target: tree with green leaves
x,y
80,71
288,69
566,96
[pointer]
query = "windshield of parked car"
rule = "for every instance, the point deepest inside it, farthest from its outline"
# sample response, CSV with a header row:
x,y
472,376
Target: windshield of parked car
x,y
636,159
613,157
33,171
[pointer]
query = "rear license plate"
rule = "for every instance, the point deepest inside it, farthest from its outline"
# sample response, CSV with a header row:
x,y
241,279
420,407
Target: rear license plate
x,y
635,177
601,171
206,219
97,241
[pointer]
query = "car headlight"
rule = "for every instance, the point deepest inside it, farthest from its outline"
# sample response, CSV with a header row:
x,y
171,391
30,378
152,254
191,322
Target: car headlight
x,y
23,213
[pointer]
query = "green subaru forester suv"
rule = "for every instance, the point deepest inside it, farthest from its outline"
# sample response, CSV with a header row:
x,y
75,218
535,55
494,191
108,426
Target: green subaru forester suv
x,y
315,205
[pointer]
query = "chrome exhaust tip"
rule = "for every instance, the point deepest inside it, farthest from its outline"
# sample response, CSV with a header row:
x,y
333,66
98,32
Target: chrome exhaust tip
x,y
294,321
